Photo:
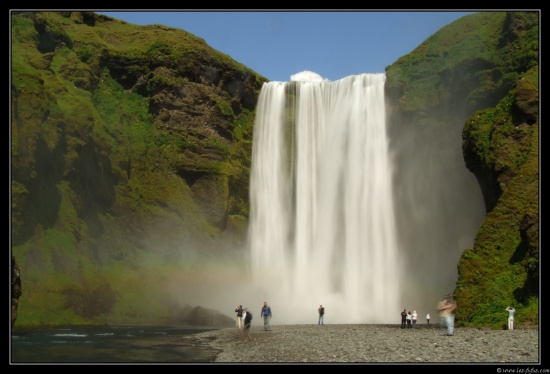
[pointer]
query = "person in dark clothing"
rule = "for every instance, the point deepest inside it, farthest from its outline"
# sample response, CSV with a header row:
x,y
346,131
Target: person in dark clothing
x,y
321,314
247,323
404,318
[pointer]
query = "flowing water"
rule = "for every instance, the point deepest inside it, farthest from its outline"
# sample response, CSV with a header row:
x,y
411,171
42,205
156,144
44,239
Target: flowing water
x,y
109,344
322,225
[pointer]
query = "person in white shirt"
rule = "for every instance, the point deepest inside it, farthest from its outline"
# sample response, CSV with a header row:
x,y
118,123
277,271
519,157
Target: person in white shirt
x,y
239,311
511,312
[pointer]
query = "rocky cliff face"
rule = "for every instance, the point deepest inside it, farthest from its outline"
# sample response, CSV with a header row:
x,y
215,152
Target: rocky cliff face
x,y
16,290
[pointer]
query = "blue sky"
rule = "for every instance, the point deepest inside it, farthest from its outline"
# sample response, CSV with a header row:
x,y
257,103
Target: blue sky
x,y
333,44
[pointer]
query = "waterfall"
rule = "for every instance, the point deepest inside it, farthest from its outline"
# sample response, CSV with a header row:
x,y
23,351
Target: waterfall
x,y
322,225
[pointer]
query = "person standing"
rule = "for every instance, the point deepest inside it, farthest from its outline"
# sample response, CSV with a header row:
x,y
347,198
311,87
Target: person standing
x,y
511,312
447,308
321,311
403,318
409,320
239,311
266,314
414,317
247,323
428,318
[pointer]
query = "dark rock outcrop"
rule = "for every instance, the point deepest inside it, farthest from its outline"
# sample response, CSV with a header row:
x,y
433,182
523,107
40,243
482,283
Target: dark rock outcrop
x,y
200,316
16,290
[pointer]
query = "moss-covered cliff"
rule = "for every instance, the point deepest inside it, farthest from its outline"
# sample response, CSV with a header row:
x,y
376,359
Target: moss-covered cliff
x,y
479,75
130,150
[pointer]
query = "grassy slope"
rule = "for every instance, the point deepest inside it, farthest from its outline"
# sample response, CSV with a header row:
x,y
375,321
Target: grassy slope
x,y
96,177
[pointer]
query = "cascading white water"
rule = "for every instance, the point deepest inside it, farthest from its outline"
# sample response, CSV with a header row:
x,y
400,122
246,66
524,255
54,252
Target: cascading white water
x,y
322,225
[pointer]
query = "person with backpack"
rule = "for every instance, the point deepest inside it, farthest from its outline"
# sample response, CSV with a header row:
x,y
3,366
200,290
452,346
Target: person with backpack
x,y
266,314
247,322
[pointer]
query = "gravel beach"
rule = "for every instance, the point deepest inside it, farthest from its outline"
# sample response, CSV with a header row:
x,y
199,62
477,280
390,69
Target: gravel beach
x,y
372,344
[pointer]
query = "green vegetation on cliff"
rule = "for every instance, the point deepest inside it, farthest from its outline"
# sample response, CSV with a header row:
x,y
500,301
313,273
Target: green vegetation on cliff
x,y
503,267
127,141
480,74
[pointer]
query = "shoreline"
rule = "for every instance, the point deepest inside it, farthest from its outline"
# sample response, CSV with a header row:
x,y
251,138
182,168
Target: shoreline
x,y
381,344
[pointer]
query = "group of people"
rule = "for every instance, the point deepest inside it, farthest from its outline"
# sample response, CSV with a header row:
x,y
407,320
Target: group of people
x,y
408,319
244,318
446,308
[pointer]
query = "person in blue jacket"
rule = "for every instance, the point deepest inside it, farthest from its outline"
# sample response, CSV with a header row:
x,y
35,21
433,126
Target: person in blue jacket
x,y
266,315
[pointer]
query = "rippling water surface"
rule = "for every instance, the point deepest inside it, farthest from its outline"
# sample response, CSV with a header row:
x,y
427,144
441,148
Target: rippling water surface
x,y
109,344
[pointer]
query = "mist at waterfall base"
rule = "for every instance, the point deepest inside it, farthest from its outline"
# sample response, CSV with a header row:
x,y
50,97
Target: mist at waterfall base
x,y
342,215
